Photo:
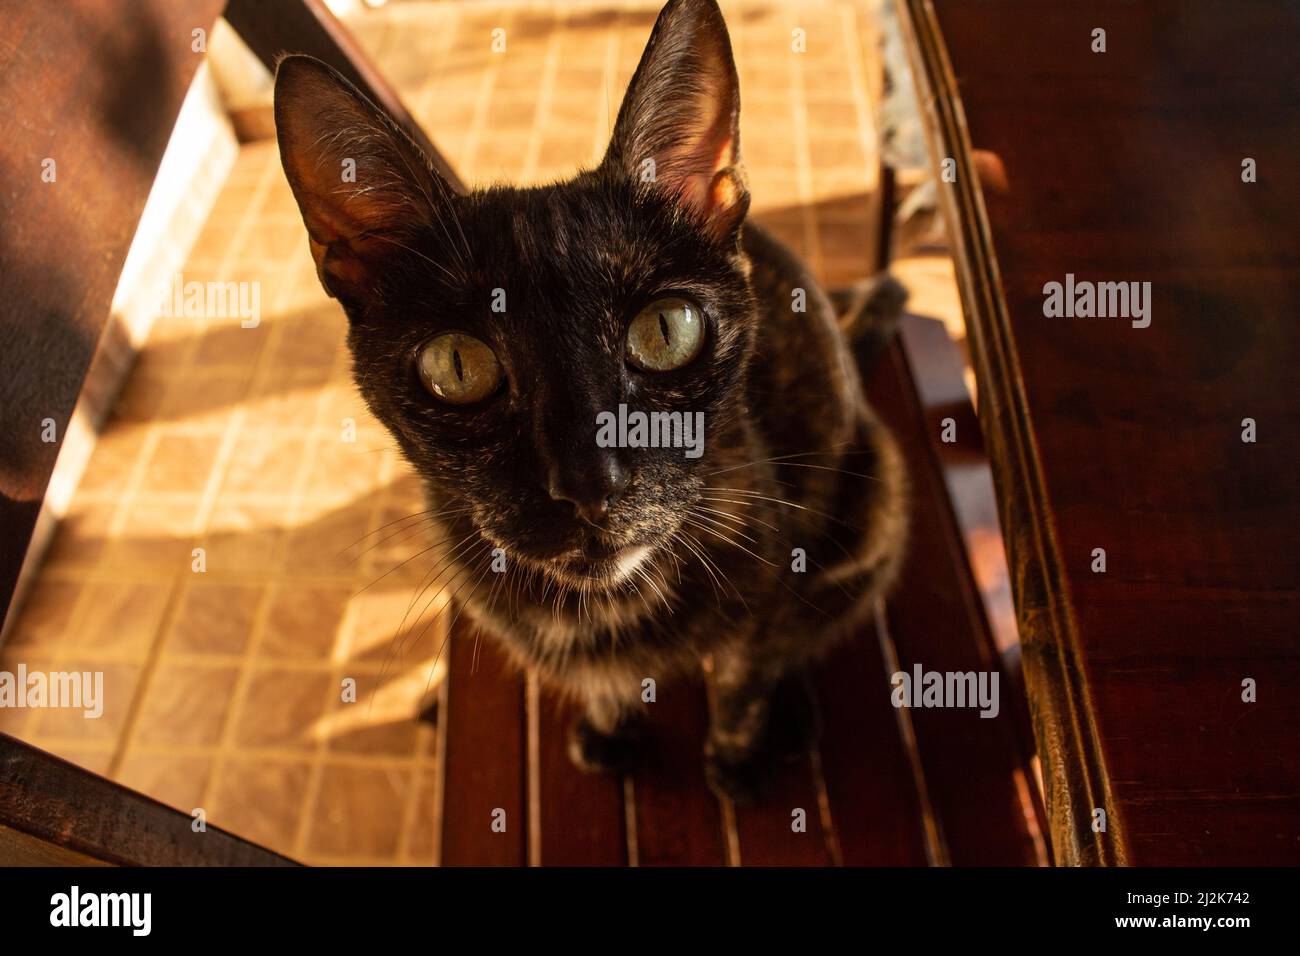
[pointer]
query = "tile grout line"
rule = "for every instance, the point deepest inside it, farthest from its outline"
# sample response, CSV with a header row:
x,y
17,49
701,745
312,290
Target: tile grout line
x,y
487,86
605,129
803,164
317,770
136,707
863,107
547,91
262,365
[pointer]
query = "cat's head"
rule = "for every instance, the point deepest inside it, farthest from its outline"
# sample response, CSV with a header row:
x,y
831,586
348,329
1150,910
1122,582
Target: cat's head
x,y
493,332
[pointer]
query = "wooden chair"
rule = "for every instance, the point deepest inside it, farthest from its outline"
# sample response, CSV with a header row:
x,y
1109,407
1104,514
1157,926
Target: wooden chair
x,y
883,785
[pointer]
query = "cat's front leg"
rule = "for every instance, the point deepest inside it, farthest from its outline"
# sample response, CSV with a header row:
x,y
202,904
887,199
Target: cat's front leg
x,y
762,713
609,735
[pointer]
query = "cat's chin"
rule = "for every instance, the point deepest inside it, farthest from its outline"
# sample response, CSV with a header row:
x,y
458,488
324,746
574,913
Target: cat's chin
x,y
593,573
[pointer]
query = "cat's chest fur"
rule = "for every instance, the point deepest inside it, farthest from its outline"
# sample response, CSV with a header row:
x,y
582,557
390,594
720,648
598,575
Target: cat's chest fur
x,y
776,483
490,332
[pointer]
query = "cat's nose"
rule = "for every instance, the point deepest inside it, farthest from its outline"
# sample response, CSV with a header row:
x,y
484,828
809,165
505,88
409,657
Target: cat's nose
x,y
592,491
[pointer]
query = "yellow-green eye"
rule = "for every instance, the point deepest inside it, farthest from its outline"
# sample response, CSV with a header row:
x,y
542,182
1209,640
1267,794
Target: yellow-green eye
x,y
666,335
459,368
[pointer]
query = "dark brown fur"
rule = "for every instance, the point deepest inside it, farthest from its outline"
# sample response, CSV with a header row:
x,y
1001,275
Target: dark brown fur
x,y
794,458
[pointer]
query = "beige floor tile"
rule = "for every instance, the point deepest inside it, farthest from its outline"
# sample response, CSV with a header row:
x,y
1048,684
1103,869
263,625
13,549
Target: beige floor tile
x,y
17,720
315,546
176,780
119,618
214,618
46,616
157,533
186,705
418,847
303,622
119,685
260,799
201,396
359,811
280,708
244,537
95,759
264,463
116,453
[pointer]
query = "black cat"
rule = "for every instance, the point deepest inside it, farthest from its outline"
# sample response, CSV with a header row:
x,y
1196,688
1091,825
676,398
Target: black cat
x,y
499,334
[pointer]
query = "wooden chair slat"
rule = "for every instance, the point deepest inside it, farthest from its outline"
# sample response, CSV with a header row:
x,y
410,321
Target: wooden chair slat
x,y
485,755
970,763
581,816
678,820
937,369
55,813
765,831
875,809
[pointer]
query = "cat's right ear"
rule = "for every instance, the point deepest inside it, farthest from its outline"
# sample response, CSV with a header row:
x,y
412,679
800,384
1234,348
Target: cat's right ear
x,y
678,127
362,185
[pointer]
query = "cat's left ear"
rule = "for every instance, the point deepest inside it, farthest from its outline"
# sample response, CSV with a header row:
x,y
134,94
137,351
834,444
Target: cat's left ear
x,y
364,188
678,127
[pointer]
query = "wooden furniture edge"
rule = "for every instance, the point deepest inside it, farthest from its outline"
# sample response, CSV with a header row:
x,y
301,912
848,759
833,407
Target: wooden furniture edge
x,y
308,26
918,366
1074,773
61,805
70,324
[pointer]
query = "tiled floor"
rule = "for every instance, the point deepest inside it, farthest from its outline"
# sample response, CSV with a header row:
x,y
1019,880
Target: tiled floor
x,y
224,687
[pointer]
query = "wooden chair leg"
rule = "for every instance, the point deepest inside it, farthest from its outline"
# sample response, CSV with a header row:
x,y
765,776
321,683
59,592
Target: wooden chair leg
x,y
307,26
885,217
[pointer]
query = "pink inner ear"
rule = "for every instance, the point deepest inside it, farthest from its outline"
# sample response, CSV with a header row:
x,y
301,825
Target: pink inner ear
x,y
724,191
712,152
714,188
706,185
341,210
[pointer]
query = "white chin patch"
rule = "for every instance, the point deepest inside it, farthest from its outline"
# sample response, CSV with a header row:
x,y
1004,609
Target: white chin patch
x,y
629,560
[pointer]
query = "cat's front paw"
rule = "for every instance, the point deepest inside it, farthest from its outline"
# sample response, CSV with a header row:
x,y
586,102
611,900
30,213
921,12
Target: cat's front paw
x,y
740,775
741,766
593,751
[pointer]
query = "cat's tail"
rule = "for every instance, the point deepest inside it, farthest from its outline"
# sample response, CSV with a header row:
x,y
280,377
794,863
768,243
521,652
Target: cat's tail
x,y
869,311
